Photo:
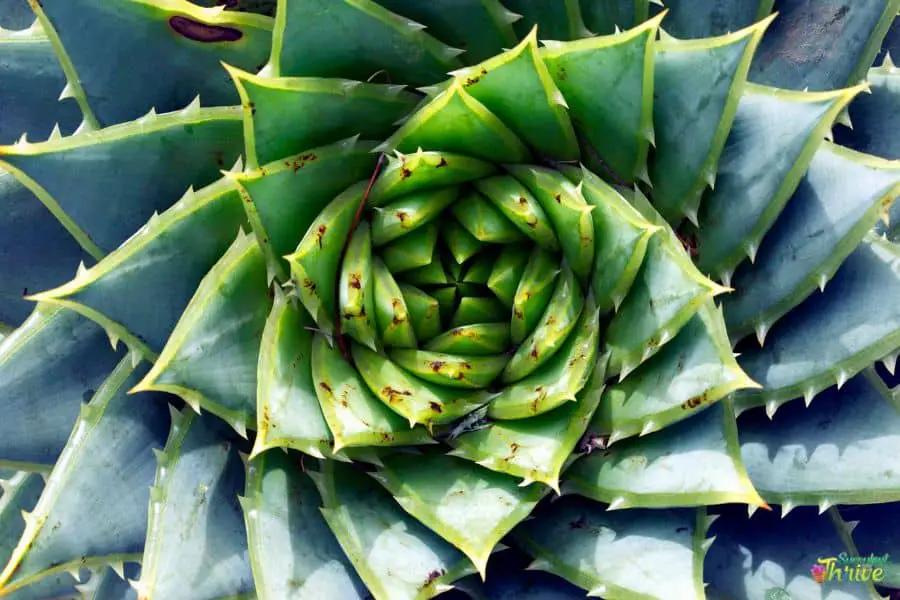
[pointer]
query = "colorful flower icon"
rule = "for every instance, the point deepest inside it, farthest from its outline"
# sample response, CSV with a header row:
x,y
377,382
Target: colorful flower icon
x,y
818,573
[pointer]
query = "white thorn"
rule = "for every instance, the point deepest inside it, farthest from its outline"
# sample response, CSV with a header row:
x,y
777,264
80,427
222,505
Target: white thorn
x,y
149,117
823,279
626,369
851,525
890,362
824,504
829,135
22,141
808,395
844,118
888,63
135,358
56,133
771,407
614,437
193,107
710,178
84,127
557,98
751,509
113,339
762,330
509,16
616,30
67,92
526,482
616,504
750,248
119,568
786,508
648,427
725,277
75,572
81,271
841,378
705,544
238,165
691,214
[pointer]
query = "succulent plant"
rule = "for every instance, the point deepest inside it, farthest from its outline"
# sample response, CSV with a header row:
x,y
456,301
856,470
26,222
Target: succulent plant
x,y
528,299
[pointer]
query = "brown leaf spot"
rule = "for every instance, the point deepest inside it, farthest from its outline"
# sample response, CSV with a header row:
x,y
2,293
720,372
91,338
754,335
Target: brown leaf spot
x,y
203,32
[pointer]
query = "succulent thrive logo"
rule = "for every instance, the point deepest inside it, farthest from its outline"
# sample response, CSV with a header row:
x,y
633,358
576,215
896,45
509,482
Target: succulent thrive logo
x,y
854,569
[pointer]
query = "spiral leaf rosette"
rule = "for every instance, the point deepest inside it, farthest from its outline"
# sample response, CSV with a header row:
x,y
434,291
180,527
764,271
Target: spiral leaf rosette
x,y
449,302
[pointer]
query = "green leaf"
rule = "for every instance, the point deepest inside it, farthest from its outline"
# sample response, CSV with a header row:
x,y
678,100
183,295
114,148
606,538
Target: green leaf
x,y
93,510
484,221
424,313
695,369
211,357
822,46
536,112
532,296
355,39
454,121
477,309
166,259
411,251
32,80
480,339
394,321
285,115
174,44
450,370
196,544
467,505
409,173
506,272
696,462
667,291
293,553
521,208
287,413
776,133
410,212
315,262
832,335
653,554
354,415
836,451
356,289
876,115
554,20
394,554
839,199
604,16
562,375
481,27
534,449
696,90
137,159
39,409
621,236
415,399
283,198
617,125
767,557
567,211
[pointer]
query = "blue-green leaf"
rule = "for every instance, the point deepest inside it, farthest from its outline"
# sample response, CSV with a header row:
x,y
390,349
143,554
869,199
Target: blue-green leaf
x,y
605,16
93,510
875,117
558,20
44,379
708,18
196,544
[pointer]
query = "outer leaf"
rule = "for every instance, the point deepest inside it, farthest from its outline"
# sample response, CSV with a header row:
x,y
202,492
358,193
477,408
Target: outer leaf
x,y
409,173
16,15
764,557
454,121
354,415
166,260
696,369
93,508
211,357
536,448
396,556
696,462
697,87
556,20
481,27
287,413
840,198
40,410
875,115
176,45
32,80
832,335
283,116
354,39
415,399
617,125
196,541
667,291
467,505
293,553
536,112
108,585
776,133
137,159
284,197
839,450
606,552
604,16
708,18
822,46
528,585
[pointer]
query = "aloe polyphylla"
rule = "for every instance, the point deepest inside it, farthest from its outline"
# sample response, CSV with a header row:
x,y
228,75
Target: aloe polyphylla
x,y
491,298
